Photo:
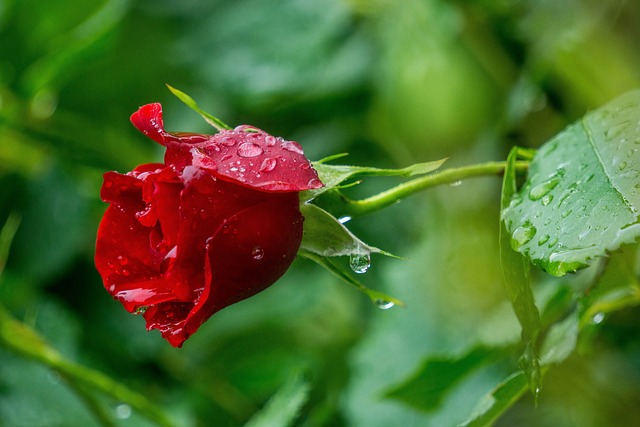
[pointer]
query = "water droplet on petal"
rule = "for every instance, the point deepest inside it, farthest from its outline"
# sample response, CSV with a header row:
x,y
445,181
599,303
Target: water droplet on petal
x,y
544,239
123,260
228,141
108,184
268,164
314,183
546,199
360,262
269,141
384,304
257,253
249,149
292,146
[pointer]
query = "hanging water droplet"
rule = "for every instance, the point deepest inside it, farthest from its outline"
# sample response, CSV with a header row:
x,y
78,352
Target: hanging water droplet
x,y
268,164
384,304
344,219
456,183
249,149
522,235
597,318
360,262
257,253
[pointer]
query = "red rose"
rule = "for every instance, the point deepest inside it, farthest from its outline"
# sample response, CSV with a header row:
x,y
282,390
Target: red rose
x,y
218,222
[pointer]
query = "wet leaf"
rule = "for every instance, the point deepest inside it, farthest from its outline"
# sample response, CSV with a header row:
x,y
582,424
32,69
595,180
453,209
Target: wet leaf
x,y
582,195
515,270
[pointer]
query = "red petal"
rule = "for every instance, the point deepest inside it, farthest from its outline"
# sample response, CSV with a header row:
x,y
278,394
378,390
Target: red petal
x,y
148,120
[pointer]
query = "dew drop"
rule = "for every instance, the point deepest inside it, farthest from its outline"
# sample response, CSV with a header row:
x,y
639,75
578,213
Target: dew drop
x,y
108,184
123,260
314,183
597,318
268,164
522,235
228,141
249,149
125,272
456,183
269,141
566,213
292,146
622,165
123,411
360,262
546,199
257,253
542,189
384,304
544,239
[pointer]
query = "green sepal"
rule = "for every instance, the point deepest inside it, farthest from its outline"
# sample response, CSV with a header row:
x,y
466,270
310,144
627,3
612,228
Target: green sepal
x,y
189,102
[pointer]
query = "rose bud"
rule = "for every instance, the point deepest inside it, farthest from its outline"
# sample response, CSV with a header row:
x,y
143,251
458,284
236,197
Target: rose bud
x,y
216,223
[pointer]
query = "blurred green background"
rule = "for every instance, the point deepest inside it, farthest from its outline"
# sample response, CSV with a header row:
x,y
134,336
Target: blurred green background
x,y
391,82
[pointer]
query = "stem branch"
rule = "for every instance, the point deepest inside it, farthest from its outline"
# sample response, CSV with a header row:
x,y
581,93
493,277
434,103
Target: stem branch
x,y
448,176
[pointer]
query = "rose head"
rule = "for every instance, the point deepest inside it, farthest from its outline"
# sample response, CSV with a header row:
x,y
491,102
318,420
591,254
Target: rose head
x,y
217,222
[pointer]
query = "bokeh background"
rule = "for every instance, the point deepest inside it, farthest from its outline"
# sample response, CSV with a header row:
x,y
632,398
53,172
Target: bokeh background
x,y
390,82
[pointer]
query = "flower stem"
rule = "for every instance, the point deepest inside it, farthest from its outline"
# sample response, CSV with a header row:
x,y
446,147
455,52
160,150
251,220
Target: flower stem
x,y
447,176
23,340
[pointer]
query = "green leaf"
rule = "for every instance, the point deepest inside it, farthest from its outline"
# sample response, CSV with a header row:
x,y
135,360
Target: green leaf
x,y
284,406
429,385
7,233
494,404
582,195
334,175
212,120
515,270
326,236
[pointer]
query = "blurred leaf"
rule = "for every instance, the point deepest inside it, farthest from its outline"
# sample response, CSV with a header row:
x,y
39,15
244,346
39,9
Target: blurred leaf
x,y
515,270
429,385
561,340
334,175
283,408
54,227
7,233
494,404
617,288
582,197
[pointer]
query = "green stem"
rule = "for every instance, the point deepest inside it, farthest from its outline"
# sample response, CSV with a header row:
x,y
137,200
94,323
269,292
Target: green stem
x,y
25,341
447,176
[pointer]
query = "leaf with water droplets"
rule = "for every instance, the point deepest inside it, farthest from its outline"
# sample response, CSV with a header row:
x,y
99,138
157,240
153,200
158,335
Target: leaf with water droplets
x,y
581,199
326,236
380,299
